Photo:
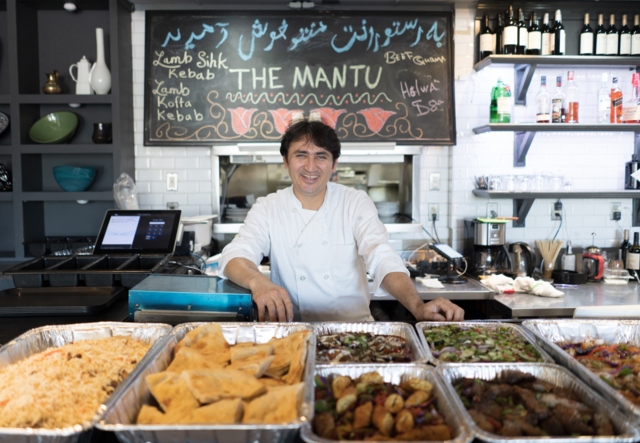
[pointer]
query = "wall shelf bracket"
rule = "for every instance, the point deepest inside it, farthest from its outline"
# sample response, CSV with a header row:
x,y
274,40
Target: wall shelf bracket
x,y
521,207
521,144
523,75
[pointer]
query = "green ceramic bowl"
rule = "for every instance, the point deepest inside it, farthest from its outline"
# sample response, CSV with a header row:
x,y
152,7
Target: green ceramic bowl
x,y
55,128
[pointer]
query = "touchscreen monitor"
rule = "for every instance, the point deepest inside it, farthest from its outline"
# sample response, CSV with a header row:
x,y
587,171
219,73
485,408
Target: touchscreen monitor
x,y
138,231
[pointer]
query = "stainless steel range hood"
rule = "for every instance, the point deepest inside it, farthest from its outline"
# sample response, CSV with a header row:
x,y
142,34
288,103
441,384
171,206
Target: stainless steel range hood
x,y
389,173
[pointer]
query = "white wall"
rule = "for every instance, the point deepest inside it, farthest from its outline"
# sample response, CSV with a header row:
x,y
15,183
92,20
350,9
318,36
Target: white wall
x,y
593,161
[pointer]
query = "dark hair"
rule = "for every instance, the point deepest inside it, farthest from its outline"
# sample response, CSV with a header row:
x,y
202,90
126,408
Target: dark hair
x,y
323,136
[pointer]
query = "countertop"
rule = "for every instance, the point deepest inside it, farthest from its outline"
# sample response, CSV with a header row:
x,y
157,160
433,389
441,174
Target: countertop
x,y
470,290
591,294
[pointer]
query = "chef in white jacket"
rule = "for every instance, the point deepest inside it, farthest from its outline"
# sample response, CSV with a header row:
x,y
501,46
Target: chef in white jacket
x,y
322,238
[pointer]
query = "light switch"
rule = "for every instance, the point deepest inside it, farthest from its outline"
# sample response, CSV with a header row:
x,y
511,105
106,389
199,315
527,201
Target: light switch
x,y
434,181
172,181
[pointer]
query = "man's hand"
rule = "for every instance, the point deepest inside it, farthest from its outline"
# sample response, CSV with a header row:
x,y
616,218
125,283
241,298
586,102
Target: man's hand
x,y
440,310
275,299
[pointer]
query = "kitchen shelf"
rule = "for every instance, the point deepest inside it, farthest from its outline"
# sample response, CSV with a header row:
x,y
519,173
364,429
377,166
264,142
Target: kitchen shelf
x,y
524,133
522,201
67,196
67,149
525,66
6,150
65,99
4,99
6,196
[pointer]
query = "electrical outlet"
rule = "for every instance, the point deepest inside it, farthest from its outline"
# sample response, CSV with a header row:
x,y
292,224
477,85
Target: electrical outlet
x,y
491,208
172,181
434,181
556,211
433,210
616,211
172,205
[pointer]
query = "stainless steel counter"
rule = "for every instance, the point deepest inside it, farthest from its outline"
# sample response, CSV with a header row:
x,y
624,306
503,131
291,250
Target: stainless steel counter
x,y
471,290
591,294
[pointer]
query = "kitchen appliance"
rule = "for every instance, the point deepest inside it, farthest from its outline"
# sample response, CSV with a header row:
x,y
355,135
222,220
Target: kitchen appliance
x,y
593,263
523,259
484,246
631,168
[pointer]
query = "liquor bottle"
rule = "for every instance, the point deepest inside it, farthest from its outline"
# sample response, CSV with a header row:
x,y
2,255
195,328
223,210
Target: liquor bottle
x,y
523,34
510,34
616,103
631,168
613,37
625,37
535,36
546,35
500,103
543,103
486,38
586,37
633,254
559,36
635,36
604,100
624,246
573,95
631,109
497,36
601,37
558,110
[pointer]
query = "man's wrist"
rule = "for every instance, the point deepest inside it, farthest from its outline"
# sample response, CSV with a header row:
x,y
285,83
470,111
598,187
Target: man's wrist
x,y
416,308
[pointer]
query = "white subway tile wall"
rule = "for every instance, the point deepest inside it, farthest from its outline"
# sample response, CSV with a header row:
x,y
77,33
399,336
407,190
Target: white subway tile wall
x,y
592,161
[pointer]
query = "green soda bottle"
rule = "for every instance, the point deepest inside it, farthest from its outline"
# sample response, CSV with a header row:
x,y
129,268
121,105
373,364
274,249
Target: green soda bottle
x,y
503,103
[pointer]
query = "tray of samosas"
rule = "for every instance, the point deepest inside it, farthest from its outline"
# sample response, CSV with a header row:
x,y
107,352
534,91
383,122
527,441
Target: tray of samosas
x,y
222,382
529,401
403,402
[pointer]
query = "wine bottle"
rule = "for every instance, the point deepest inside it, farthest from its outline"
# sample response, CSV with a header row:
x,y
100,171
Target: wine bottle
x,y
586,37
624,246
616,103
625,37
601,37
604,101
523,34
546,35
612,36
543,103
535,37
573,95
633,254
486,38
631,109
510,34
497,36
558,110
559,35
635,36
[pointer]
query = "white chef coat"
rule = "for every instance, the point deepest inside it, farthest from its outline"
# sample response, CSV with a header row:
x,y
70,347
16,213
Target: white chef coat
x,y
322,264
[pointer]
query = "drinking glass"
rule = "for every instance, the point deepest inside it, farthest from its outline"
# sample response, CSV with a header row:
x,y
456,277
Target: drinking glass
x,y
567,185
494,183
509,183
555,183
523,183
538,183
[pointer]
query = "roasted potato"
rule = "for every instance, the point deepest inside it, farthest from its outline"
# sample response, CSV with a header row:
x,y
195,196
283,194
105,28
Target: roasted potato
x,y
324,424
436,432
362,416
370,378
346,402
339,384
417,398
382,420
404,421
394,403
416,384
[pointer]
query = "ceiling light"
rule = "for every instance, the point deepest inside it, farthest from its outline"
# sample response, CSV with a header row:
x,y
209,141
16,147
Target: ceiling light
x,y
70,6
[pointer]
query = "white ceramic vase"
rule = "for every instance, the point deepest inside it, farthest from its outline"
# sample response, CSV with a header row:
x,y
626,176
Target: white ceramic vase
x,y
100,76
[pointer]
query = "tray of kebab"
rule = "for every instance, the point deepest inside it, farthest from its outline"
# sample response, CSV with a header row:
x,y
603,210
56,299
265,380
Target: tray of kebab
x,y
520,402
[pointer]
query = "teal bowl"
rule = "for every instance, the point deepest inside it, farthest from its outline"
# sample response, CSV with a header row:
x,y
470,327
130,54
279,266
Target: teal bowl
x,y
54,128
73,179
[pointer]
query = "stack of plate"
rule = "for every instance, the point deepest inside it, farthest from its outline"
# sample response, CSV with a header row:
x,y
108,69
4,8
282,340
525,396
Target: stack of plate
x,y
236,215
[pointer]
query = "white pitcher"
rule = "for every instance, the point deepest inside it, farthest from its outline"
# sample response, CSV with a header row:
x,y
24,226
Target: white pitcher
x,y
83,87
100,76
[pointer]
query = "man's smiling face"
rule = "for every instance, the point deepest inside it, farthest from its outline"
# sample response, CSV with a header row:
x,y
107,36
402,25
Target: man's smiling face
x,y
310,168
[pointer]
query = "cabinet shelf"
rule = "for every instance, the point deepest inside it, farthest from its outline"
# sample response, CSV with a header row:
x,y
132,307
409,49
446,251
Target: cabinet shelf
x,y
4,99
64,99
522,201
67,149
67,196
6,196
6,150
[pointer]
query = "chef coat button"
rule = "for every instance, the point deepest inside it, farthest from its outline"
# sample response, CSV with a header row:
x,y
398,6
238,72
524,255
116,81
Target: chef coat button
x,y
302,278
294,210
326,277
325,243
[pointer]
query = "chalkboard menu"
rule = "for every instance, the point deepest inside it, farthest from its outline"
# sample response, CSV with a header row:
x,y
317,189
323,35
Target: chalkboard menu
x,y
242,77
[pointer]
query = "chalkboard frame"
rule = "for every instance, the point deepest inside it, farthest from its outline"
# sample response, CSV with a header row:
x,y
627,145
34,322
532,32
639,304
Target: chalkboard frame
x,y
149,14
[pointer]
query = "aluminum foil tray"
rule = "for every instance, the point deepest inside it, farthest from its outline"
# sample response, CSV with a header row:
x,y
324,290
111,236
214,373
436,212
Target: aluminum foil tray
x,y
549,332
121,416
516,330
550,373
40,339
403,330
397,373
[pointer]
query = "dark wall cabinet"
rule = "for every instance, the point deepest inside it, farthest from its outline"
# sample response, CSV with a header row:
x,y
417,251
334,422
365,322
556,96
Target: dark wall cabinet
x,y
38,37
